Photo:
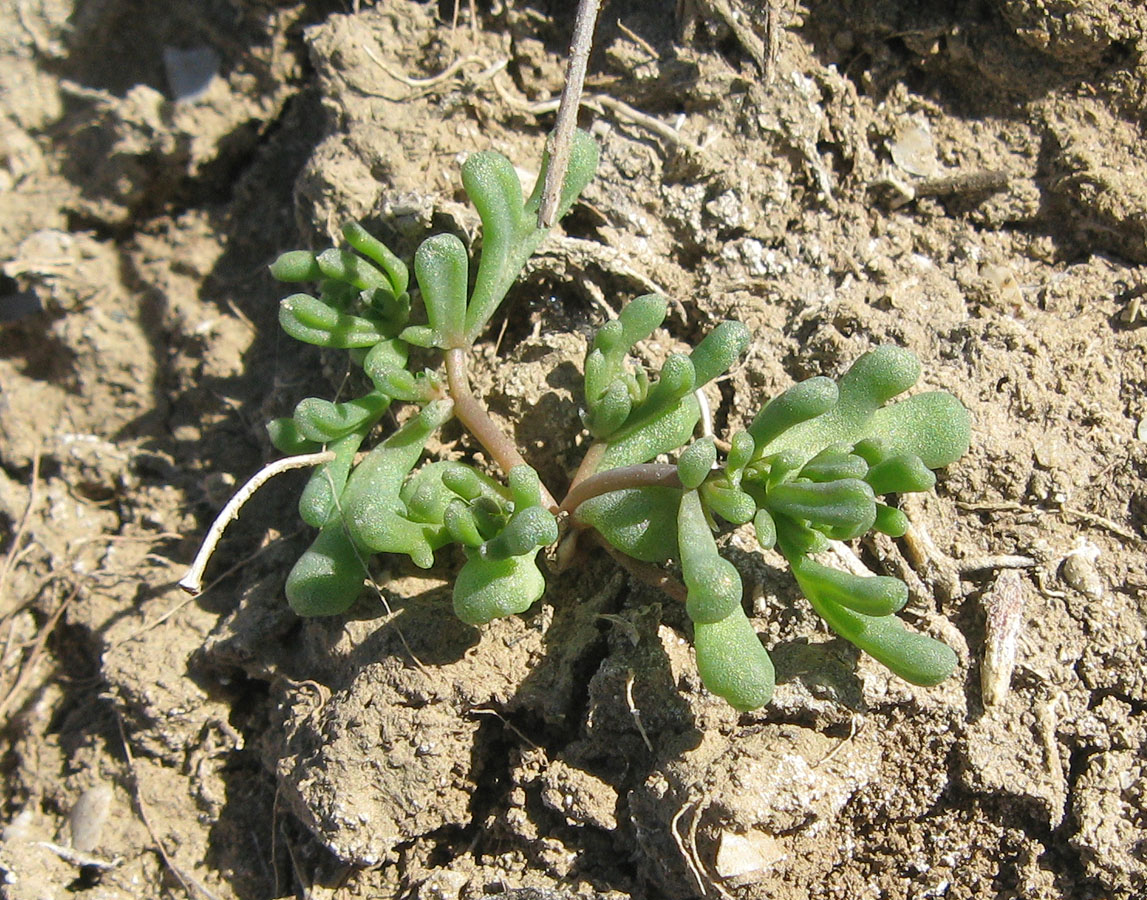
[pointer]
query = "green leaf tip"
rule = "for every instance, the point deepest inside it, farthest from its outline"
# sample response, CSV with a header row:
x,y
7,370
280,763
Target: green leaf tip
x,y
296,265
488,589
308,319
328,577
713,585
377,252
916,658
732,662
442,269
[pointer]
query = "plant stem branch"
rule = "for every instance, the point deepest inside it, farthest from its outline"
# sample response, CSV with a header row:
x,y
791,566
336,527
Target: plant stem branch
x,y
192,582
474,416
619,479
567,110
589,464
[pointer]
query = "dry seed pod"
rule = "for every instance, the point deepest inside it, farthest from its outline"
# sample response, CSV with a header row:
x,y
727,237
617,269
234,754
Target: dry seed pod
x,y
1004,604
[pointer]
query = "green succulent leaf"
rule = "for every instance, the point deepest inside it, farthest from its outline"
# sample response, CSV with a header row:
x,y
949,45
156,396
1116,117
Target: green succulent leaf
x,y
328,577
804,401
377,252
874,595
462,480
732,662
890,521
442,268
428,492
324,421
352,269
900,475
392,310
525,488
640,317
933,426
732,505
718,351
610,411
488,589
579,173
527,530
462,524
796,538
741,451
640,522
509,228
287,438
713,585
372,506
318,504
696,463
915,657
872,450
308,319
385,365
834,463
843,509
296,265
660,434
338,294
612,388
766,529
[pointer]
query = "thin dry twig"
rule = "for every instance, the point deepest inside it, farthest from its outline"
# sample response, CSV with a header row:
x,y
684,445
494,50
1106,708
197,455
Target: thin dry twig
x,y
853,731
637,39
390,612
601,104
485,711
1103,522
658,127
433,80
762,52
567,110
190,885
79,859
996,561
685,854
15,552
634,711
34,654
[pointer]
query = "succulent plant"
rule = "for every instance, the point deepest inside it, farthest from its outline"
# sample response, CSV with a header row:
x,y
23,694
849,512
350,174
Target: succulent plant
x,y
816,464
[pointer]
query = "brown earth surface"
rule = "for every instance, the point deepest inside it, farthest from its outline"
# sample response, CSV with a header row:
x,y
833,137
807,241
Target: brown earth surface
x,y
968,180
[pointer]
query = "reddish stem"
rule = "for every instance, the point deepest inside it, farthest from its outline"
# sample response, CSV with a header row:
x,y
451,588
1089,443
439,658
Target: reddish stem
x,y
473,415
619,479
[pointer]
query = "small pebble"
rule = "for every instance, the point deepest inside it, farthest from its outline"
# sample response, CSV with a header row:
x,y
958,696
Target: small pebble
x,y
1078,570
87,818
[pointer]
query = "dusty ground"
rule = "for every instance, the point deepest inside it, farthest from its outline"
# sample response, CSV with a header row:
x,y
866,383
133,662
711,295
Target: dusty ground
x,y
968,180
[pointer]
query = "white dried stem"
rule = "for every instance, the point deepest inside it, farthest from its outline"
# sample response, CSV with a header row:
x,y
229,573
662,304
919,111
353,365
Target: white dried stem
x,y
192,582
